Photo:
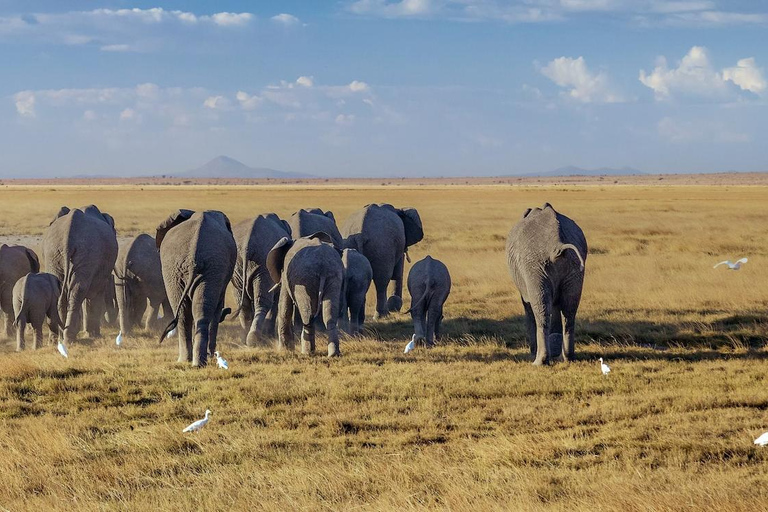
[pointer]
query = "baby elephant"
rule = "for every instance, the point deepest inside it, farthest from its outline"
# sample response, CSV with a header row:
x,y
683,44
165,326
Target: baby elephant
x,y
429,284
35,296
358,277
311,277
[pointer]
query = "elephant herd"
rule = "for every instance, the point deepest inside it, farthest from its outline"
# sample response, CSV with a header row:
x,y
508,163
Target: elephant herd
x,y
301,273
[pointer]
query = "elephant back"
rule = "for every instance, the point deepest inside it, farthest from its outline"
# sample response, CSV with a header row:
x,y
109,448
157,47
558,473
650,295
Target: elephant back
x,y
309,221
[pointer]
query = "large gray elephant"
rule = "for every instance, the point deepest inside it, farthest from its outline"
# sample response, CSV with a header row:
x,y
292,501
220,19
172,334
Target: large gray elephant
x,y
80,248
383,233
358,275
311,278
16,261
35,297
255,238
429,284
546,253
309,221
139,283
198,254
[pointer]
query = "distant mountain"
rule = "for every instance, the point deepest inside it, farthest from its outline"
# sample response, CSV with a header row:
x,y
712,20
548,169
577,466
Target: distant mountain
x,y
572,170
226,167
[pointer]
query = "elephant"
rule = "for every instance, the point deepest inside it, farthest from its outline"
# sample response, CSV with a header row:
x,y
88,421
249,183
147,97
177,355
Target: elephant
x,y
429,284
310,276
255,238
16,261
314,220
198,254
35,297
383,234
358,275
546,254
80,248
139,282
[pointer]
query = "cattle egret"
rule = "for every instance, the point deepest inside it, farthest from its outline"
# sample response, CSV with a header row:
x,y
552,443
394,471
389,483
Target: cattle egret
x,y
223,364
411,345
194,427
732,266
63,350
604,367
762,440
119,339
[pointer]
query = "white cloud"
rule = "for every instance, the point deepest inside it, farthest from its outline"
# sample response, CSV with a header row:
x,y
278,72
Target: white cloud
x,y
114,30
25,103
89,115
148,91
116,48
248,102
695,76
746,75
582,84
401,8
289,20
128,114
215,102
689,12
357,86
229,19
345,119
305,81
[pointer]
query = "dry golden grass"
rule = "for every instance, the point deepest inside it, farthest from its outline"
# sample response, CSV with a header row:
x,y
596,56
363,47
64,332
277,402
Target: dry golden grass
x,y
469,425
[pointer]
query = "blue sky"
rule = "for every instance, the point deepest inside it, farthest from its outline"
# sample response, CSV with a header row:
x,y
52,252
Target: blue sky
x,y
383,87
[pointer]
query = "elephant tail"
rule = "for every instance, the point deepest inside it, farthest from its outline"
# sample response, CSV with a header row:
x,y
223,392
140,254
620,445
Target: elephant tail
x,y
320,294
246,286
575,249
66,283
425,297
184,295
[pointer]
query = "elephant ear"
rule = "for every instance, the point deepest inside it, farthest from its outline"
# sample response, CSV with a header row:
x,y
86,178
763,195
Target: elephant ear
x,y
412,224
276,258
109,219
62,212
322,236
287,227
34,262
172,221
355,242
226,221
329,214
527,211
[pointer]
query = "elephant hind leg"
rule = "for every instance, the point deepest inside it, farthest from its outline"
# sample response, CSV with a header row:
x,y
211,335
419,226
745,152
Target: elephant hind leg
x,y
331,316
569,327
6,305
20,342
73,312
185,332
382,310
542,314
530,327
434,316
285,320
395,301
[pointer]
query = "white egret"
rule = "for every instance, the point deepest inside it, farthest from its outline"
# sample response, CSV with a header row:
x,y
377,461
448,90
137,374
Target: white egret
x,y
63,349
411,345
119,339
223,364
732,265
604,367
762,440
197,425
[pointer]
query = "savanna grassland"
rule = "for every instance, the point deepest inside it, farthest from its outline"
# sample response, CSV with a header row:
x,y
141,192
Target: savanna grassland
x,y
469,425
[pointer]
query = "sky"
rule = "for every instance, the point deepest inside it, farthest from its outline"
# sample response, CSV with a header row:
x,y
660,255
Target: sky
x,y
382,88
